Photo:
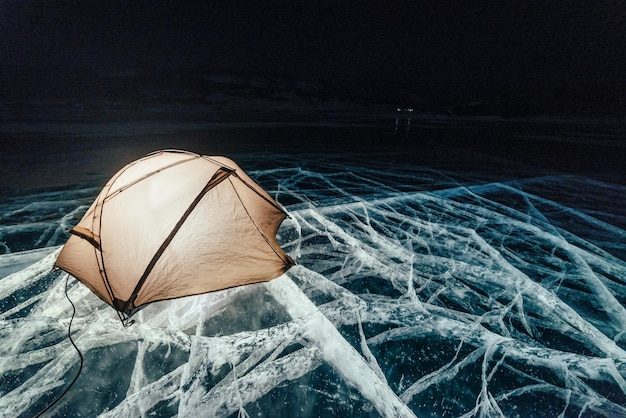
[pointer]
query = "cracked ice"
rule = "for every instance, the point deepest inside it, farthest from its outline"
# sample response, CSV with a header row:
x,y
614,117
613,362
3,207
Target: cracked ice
x,y
417,292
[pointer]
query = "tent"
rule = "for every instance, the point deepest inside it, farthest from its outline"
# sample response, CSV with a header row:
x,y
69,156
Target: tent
x,y
175,224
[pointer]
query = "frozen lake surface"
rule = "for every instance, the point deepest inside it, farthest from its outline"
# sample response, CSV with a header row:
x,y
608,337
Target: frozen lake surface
x,y
427,289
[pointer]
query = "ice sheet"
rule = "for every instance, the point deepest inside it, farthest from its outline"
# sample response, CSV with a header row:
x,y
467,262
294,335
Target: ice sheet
x,y
417,292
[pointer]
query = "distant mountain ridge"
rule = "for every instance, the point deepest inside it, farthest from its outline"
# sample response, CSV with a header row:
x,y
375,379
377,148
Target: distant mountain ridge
x,y
205,92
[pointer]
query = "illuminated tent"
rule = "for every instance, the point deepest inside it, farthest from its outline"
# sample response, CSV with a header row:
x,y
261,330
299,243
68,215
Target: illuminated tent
x,y
175,224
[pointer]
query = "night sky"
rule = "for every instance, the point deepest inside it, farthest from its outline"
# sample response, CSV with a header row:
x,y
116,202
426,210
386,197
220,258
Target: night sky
x,y
569,54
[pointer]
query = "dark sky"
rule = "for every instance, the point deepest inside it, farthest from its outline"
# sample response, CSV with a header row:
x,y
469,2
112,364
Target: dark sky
x,y
449,50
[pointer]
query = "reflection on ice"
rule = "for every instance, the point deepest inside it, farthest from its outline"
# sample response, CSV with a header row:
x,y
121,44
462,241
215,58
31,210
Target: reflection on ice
x,y
417,292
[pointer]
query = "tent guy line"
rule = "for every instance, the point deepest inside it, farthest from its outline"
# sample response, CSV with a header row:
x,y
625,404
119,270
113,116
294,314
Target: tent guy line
x,y
80,354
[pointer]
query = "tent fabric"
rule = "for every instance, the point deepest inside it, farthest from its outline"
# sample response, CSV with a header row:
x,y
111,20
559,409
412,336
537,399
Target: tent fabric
x,y
175,224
